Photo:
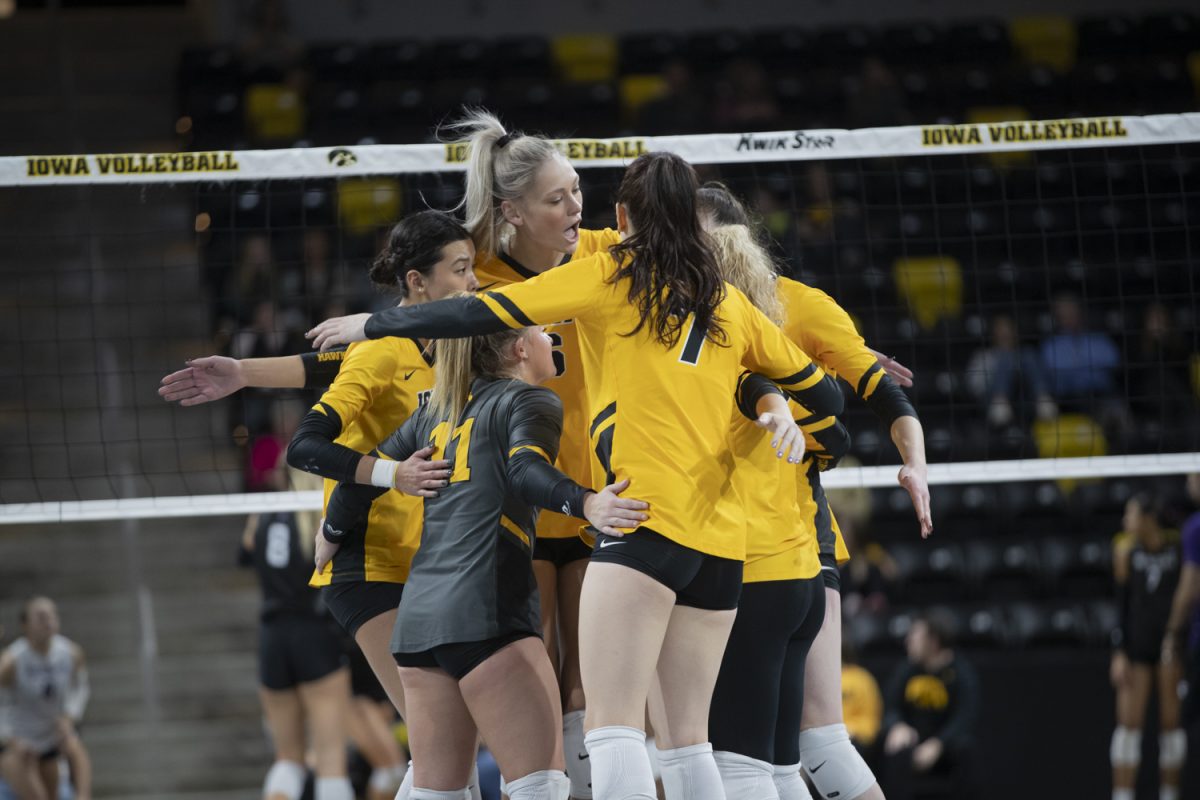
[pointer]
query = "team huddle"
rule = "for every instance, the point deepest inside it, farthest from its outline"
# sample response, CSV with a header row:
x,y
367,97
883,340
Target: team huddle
x,y
573,490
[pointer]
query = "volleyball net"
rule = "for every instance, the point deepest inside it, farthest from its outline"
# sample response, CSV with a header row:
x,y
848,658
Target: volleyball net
x,y
1040,279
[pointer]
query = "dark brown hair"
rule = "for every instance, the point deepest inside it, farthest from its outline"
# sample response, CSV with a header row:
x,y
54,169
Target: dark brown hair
x,y
416,242
668,259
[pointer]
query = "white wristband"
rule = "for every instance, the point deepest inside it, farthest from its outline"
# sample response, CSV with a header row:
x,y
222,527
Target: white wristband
x,y
383,474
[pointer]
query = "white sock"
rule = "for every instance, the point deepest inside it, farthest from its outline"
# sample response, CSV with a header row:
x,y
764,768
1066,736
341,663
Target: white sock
x,y
690,773
1122,794
547,784
620,768
1168,793
285,778
385,779
744,777
579,765
334,789
406,785
789,785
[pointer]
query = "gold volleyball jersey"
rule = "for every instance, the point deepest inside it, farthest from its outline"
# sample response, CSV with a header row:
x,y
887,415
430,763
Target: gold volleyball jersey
x,y
862,704
574,459
825,331
660,416
381,383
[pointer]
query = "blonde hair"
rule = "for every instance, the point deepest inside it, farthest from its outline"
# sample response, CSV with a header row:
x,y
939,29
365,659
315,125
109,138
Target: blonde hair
x,y
746,264
459,361
501,165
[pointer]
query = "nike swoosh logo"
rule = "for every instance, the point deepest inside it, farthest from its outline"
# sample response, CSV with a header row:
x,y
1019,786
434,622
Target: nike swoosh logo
x,y
409,375
817,767
583,756
610,541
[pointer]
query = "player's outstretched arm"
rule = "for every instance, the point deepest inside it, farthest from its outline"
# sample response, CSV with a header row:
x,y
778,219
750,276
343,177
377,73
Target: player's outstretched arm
x,y
211,378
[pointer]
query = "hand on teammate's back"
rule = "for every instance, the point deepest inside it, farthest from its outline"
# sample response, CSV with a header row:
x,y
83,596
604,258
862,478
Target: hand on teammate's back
x,y
609,512
421,477
203,380
786,437
339,331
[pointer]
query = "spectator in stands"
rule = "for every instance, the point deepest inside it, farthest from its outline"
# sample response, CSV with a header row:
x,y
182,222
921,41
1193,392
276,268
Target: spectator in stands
x,y
681,109
744,100
1081,365
1146,572
862,703
932,704
1182,640
1158,369
45,680
1005,375
877,101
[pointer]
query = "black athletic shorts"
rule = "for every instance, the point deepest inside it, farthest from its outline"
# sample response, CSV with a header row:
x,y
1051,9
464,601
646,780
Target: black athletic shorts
x,y
759,696
698,579
356,602
460,658
831,575
561,552
363,682
1144,645
295,648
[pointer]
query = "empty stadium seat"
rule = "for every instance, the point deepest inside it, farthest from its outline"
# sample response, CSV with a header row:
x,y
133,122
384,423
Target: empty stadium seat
x,y
644,53
931,287
1003,570
1049,40
465,58
929,572
1108,36
1052,624
403,60
524,57
274,112
983,41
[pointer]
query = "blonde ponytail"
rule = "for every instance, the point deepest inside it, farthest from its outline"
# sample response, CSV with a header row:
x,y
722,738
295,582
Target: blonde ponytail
x,y
745,264
457,362
501,165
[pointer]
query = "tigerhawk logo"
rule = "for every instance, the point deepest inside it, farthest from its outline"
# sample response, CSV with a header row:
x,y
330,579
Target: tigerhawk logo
x,y
342,157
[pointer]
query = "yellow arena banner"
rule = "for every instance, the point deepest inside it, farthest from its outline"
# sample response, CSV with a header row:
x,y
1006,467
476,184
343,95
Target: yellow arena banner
x,y
716,148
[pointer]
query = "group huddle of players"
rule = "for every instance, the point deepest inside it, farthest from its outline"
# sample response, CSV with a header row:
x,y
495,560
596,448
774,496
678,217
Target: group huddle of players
x,y
669,403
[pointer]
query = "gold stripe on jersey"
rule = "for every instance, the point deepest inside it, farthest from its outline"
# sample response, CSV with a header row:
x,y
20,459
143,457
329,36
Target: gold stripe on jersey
x,y
515,529
381,383
670,432
533,448
574,456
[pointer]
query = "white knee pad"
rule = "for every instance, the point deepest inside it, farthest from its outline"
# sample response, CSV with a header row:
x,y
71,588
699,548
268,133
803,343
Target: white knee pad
x,y
579,764
788,783
744,777
832,764
333,789
548,784
620,769
652,754
690,773
285,778
433,794
1172,749
1126,747
406,785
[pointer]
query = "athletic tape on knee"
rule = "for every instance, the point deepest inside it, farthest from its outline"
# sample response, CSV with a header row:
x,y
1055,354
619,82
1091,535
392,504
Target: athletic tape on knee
x,y
744,777
579,764
788,783
285,778
690,772
652,754
1172,749
333,789
548,784
835,768
620,768
1126,747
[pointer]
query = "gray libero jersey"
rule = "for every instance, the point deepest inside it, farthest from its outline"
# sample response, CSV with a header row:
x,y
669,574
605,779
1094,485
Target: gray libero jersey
x,y
472,578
